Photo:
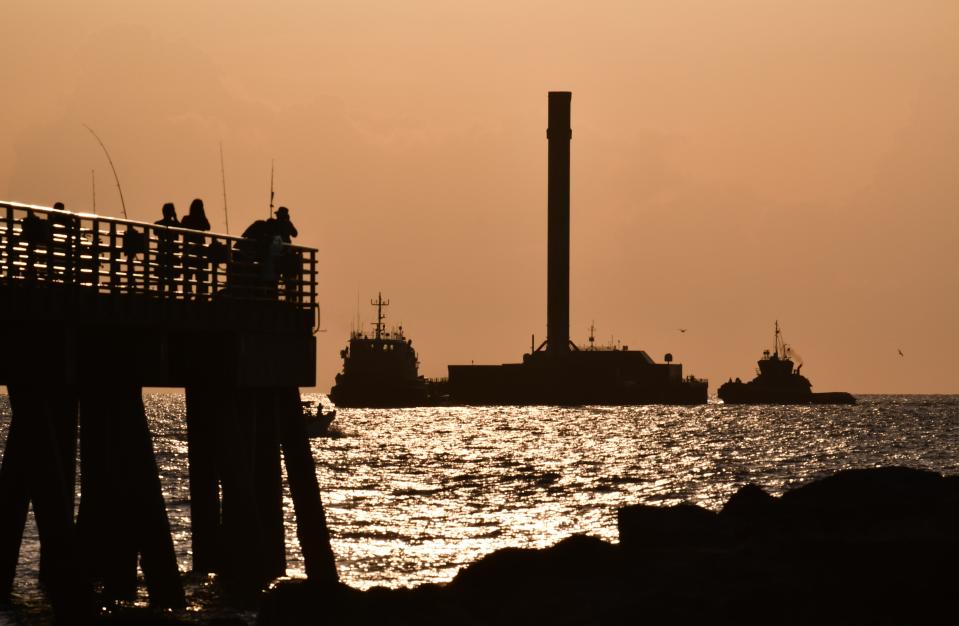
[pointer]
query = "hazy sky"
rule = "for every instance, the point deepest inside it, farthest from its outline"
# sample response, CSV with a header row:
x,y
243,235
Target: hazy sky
x,y
733,162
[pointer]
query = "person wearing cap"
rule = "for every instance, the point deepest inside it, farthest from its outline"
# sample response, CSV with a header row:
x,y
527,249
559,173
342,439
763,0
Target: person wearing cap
x,y
287,261
283,226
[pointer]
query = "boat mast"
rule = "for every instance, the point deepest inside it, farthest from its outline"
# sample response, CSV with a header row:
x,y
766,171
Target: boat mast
x,y
379,303
779,343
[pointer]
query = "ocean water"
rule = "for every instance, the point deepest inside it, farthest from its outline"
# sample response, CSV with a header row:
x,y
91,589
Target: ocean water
x,y
413,495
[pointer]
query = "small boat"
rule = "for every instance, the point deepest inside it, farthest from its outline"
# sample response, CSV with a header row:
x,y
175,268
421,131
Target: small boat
x,y
316,421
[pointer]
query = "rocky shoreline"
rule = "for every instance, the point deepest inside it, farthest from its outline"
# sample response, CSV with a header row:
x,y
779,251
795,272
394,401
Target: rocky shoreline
x,y
869,546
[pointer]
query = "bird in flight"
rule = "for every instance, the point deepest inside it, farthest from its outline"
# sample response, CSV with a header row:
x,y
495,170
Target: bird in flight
x,y
900,352
682,330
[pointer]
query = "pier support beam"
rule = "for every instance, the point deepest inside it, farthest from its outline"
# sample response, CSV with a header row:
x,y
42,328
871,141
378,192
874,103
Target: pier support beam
x,y
106,522
201,408
269,483
33,466
311,528
243,564
61,406
14,498
122,512
154,542
108,552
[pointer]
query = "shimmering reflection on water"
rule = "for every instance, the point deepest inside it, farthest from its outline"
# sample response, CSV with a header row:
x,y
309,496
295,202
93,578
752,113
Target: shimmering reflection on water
x,y
412,495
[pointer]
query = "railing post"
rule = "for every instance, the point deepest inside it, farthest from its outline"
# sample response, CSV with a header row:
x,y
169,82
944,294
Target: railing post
x,y
69,251
312,280
114,267
131,258
8,235
214,269
48,251
95,260
146,260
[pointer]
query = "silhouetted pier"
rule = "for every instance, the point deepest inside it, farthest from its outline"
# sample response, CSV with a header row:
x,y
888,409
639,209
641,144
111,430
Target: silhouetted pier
x,y
93,309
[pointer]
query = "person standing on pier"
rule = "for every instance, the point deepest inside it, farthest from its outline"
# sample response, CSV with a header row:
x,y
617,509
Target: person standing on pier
x,y
35,233
166,244
287,261
61,247
195,259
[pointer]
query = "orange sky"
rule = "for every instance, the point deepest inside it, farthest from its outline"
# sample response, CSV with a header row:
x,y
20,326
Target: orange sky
x,y
733,163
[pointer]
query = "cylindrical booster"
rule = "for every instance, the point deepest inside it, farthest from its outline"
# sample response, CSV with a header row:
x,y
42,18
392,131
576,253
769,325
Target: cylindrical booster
x,y
559,135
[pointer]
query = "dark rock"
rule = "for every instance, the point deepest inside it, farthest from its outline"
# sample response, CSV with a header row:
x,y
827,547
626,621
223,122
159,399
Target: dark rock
x,y
888,502
567,583
578,556
874,546
749,513
643,526
572,560
750,503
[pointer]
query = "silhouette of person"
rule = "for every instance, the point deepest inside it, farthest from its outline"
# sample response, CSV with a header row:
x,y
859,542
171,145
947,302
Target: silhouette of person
x,y
61,217
166,245
254,260
35,232
283,226
287,261
195,260
61,247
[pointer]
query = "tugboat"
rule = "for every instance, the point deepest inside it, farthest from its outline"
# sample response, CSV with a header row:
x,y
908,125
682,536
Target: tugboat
x,y
778,381
379,371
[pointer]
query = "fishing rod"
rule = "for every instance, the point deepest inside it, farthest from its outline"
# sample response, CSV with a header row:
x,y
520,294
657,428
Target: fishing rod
x,y
226,214
115,177
270,214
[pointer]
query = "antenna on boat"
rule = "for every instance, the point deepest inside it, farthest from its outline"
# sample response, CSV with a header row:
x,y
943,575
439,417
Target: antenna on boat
x,y
779,343
592,333
115,177
379,303
358,327
270,214
93,182
226,214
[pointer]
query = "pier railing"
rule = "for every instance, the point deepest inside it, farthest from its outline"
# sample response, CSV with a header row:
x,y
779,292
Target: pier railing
x,y
118,256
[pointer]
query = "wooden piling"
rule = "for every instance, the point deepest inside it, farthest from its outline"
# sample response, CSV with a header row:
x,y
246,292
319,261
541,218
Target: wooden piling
x,y
204,483
41,470
61,406
154,542
122,513
242,566
269,484
14,500
93,517
311,528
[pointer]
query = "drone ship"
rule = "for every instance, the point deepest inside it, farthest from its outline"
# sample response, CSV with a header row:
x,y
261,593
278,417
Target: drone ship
x,y
558,371
778,381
